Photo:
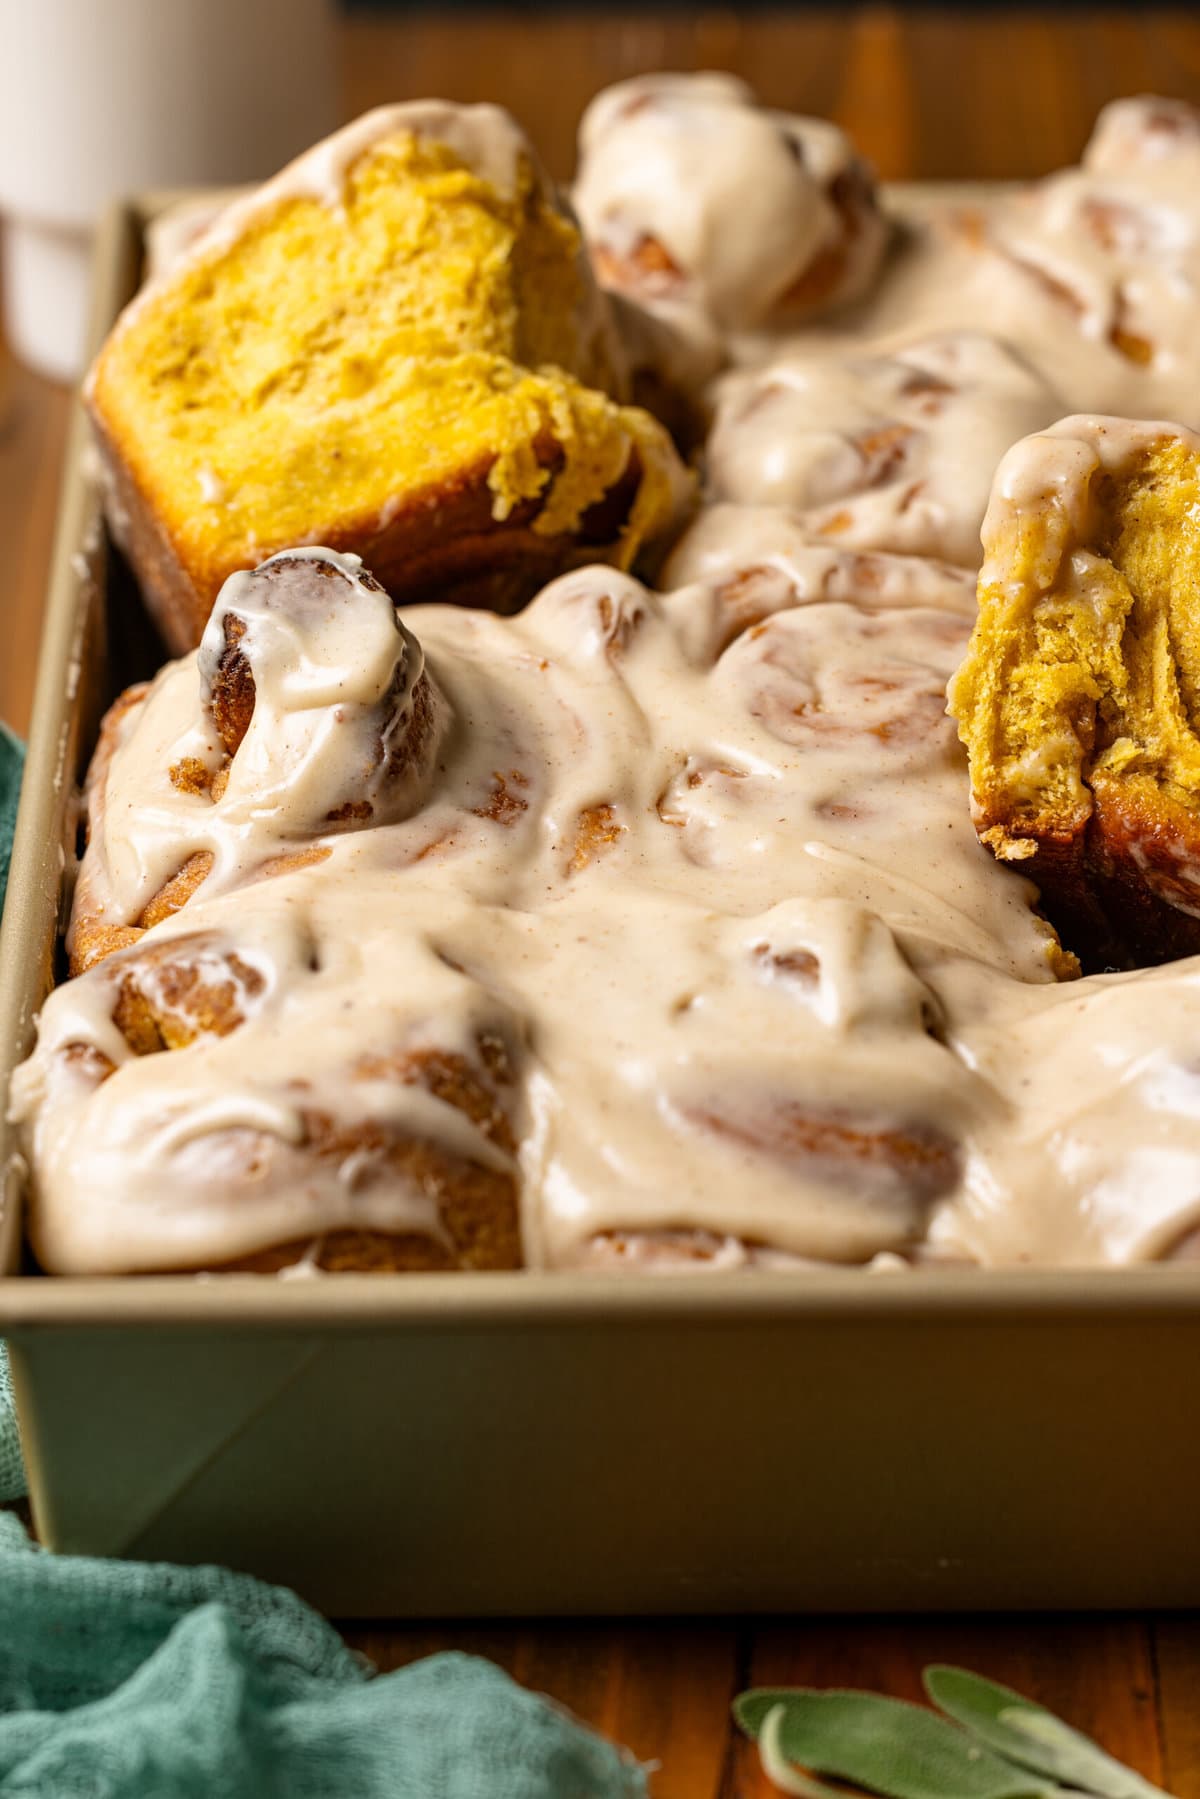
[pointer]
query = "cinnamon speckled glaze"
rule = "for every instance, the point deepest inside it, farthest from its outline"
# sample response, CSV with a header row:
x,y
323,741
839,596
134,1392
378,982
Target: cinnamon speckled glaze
x,y
650,928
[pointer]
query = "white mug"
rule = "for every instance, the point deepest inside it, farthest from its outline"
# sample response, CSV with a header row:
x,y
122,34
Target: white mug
x,y
100,97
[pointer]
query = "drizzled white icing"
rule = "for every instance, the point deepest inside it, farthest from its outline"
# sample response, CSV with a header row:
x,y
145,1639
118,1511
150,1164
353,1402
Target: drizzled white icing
x,y
213,1136
1098,1157
765,558
1050,477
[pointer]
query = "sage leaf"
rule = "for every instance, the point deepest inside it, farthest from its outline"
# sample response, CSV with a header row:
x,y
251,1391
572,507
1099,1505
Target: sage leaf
x,y
779,1770
1029,1734
886,1745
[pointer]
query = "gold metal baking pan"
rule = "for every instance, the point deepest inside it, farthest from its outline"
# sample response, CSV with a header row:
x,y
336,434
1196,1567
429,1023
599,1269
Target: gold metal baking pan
x,y
477,1444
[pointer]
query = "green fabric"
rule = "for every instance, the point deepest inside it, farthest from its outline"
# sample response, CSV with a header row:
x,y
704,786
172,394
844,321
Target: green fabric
x,y
12,758
12,1469
133,1680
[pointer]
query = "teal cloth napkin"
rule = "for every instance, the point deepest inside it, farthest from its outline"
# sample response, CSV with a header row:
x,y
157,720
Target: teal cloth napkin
x,y
126,1680
137,1680
12,759
12,1469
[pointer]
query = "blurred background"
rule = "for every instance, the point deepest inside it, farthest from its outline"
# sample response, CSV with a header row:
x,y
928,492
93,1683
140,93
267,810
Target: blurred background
x,y
970,91
107,96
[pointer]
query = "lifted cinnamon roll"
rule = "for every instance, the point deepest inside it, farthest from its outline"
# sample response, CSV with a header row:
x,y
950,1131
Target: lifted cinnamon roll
x,y
1079,699
395,347
314,715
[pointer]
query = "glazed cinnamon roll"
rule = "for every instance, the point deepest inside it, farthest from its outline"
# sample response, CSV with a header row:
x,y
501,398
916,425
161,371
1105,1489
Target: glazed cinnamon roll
x,y
309,712
688,190
890,452
818,1157
1079,700
1096,269
750,562
228,1098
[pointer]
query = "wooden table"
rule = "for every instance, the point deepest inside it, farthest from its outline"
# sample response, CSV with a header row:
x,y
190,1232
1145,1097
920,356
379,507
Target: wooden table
x,y
1008,92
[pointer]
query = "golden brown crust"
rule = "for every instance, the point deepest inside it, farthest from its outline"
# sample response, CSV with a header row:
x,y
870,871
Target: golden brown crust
x,y
232,691
475,1092
477,1205
1141,868
851,1149
170,994
174,896
441,543
91,938
93,942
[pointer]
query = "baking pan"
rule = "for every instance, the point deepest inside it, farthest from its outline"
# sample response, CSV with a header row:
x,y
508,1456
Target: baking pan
x,y
539,1443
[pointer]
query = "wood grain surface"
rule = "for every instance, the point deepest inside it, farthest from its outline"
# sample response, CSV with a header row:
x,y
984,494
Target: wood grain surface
x,y
927,94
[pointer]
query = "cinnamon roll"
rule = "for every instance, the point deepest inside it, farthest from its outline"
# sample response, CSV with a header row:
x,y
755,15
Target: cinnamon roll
x,y
395,348
1078,700
296,1126
688,190
890,452
309,712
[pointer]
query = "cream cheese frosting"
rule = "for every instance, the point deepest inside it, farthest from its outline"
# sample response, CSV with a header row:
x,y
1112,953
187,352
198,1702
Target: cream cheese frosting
x,y
737,850
701,859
